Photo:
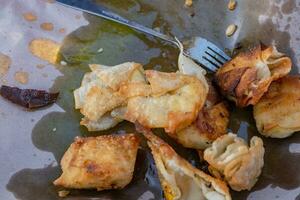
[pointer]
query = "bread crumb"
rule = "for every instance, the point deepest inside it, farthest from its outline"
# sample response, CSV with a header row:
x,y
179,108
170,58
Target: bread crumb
x,y
100,50
63,63
232,5
63,193
5,62
188,3
21,77
231,30
62,30
47,26
29,16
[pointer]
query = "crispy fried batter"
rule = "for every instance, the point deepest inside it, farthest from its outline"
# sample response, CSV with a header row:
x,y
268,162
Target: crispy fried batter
x,y
277,114
211,123
173,104
104,162
179,179
247,77
239,164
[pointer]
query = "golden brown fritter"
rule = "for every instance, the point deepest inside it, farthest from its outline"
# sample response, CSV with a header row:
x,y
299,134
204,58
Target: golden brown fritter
x,y
247,77
103,162
277,114
179,179
211,123
173,104
231,158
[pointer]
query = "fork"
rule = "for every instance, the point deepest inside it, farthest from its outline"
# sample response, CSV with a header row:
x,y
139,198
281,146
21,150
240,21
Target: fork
x,y
204,52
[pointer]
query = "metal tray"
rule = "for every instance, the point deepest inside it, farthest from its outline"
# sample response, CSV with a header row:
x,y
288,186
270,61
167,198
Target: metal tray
x,y
32,143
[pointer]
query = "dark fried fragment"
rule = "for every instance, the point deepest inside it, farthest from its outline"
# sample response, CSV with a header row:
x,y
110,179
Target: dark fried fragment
x,y
28,98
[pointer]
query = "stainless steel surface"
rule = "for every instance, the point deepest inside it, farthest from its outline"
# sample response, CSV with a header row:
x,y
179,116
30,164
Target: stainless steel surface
x,y
32,143
204,52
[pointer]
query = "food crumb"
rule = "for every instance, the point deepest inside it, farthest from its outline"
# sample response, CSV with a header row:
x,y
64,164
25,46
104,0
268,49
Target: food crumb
x,y
47,26
54,129
100,50
21,77
40,66
5,62
63,63
232,5
63,193
62,30
231,30
188,3
45,49
29,16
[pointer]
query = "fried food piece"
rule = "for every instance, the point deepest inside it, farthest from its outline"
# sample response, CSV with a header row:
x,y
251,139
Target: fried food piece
x,y
103,162
104,90
239,164
174,102
178,178
211,123
247,77
277,114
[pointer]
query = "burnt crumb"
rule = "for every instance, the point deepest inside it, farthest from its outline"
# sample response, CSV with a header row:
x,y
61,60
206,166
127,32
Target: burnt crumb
x,y
28,98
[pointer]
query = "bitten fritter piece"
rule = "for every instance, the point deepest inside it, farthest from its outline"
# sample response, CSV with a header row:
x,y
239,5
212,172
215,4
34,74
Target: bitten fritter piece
x,y
173,104
231,158
211,123
103,162
178,178
245,78
277,114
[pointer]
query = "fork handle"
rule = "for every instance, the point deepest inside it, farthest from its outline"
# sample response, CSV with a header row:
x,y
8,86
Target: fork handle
x,y
107,14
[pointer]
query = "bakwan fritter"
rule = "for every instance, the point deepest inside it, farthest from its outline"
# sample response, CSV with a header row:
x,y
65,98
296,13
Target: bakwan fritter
x,y
277,114
178,178
246,78
103,162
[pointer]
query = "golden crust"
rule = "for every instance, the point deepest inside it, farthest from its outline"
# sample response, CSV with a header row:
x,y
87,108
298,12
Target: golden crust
x,y
173,105
239,164
247,77
104,162
277,114
179,179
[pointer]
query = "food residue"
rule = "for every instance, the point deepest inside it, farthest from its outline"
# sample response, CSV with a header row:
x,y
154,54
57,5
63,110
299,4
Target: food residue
x,y
21,77
231,30
100,50
45,49
29,16
63,193
5,62
188,2
47,26
62,30
63,63
231,5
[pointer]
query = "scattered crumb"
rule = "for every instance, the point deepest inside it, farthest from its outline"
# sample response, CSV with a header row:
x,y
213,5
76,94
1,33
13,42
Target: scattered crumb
x,y
29,16
63,63
63,193
232,4
47,26
45,49
231,30
21,77
77,16
54,129
100,50
62,30
188,3
5,62
40,66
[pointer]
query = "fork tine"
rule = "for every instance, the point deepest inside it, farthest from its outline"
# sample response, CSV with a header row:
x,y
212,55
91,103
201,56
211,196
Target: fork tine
x,y
210,54
208,64
218,51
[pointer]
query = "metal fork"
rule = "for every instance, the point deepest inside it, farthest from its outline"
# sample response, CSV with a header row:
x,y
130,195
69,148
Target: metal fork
x,y
207,54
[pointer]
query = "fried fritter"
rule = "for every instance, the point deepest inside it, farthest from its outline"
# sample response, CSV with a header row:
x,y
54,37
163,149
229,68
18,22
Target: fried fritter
x,y
247,77
179,179
103,162
231,158
277,114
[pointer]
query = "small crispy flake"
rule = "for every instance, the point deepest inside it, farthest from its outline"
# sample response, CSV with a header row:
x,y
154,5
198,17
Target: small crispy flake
x,y
29,16
231,30
232,5
100,50
63,62
188,3
47,26
63,193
